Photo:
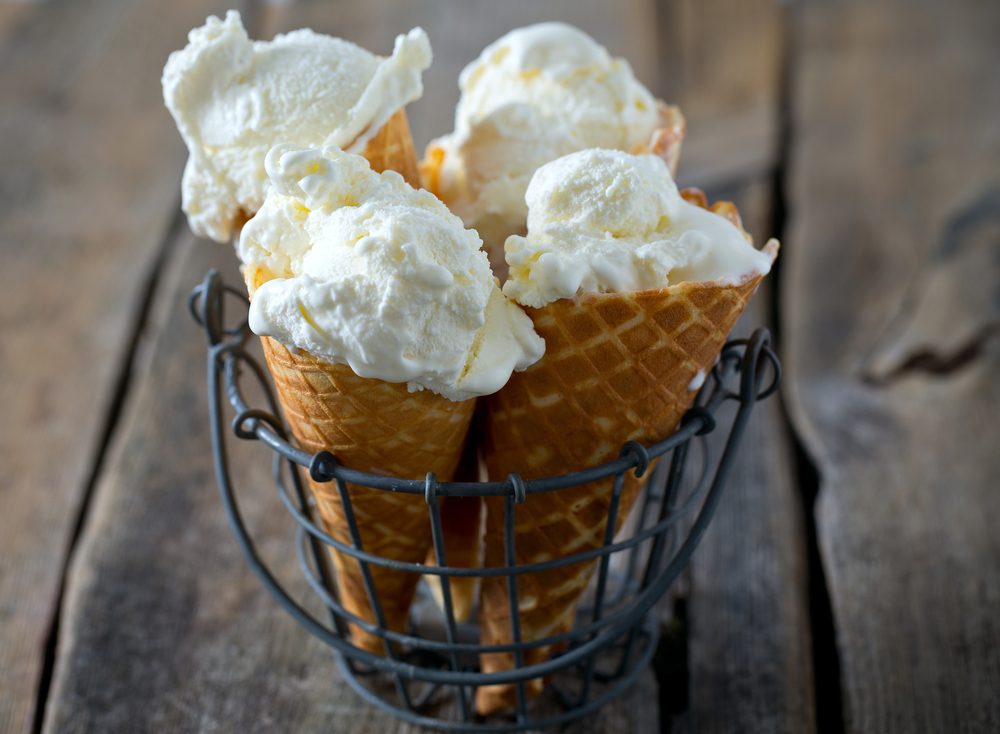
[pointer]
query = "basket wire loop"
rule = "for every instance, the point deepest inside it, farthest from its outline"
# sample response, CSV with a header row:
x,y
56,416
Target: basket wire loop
x,y
516,484
638,452
674,513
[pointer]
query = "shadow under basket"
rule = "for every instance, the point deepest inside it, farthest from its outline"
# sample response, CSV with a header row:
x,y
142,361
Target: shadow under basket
x,y
430,674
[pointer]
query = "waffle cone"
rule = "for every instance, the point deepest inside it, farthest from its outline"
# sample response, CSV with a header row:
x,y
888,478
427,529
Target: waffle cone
x,y
392,149
378,427
617,367
666,139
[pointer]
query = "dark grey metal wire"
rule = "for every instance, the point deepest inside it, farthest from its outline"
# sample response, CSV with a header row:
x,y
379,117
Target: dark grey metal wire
x,y
615,623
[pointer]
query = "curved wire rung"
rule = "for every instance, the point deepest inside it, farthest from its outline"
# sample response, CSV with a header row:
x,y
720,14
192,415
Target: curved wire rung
x,y
613,637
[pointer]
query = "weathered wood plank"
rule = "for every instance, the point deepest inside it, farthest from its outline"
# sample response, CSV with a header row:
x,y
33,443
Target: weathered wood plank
x,y
721,61
893,255
749,662
88,180
749,644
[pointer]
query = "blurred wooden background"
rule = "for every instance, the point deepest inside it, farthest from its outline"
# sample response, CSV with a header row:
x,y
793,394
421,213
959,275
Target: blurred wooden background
x,y
851,580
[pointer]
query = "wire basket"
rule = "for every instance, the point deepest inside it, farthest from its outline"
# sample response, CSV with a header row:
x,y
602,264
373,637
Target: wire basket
x,y
429,674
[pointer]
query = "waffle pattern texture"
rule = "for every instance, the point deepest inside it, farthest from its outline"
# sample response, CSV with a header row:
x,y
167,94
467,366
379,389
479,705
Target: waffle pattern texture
x,y
392,149
379,427
617,367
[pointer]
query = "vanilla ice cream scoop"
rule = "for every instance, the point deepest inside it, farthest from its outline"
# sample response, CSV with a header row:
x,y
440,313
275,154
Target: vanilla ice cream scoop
x,y
534,95
361,269
234,98
606,221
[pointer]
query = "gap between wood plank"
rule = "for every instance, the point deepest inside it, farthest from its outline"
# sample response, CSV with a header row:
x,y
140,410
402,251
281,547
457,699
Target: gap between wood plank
x,y
122,382
898,100
827,694
671,665
679,640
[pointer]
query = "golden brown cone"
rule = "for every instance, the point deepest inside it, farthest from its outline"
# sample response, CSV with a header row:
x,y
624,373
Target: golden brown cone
x,y
667,138
617,367
373,426
665,142
392,149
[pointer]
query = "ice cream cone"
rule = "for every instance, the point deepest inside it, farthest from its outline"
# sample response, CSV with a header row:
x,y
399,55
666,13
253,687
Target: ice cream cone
x,y
667,138
410,305
374,426
379,427
617,367
391,149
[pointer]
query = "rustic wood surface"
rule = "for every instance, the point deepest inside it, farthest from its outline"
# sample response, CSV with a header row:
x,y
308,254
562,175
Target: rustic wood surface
x,y
749,654
722,61
746,627
89,166
890,315
124,602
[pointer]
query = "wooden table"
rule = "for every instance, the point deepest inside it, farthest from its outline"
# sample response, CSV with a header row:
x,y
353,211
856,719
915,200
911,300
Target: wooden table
x,y
851,580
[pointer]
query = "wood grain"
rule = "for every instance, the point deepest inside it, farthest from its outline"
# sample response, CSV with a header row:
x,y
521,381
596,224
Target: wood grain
x,y
749,661
89,165
9,14
721,61
893,255
749,644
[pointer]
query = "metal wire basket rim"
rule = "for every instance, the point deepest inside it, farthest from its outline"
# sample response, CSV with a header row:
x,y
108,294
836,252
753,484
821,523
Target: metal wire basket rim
x,y
635,456
323,466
